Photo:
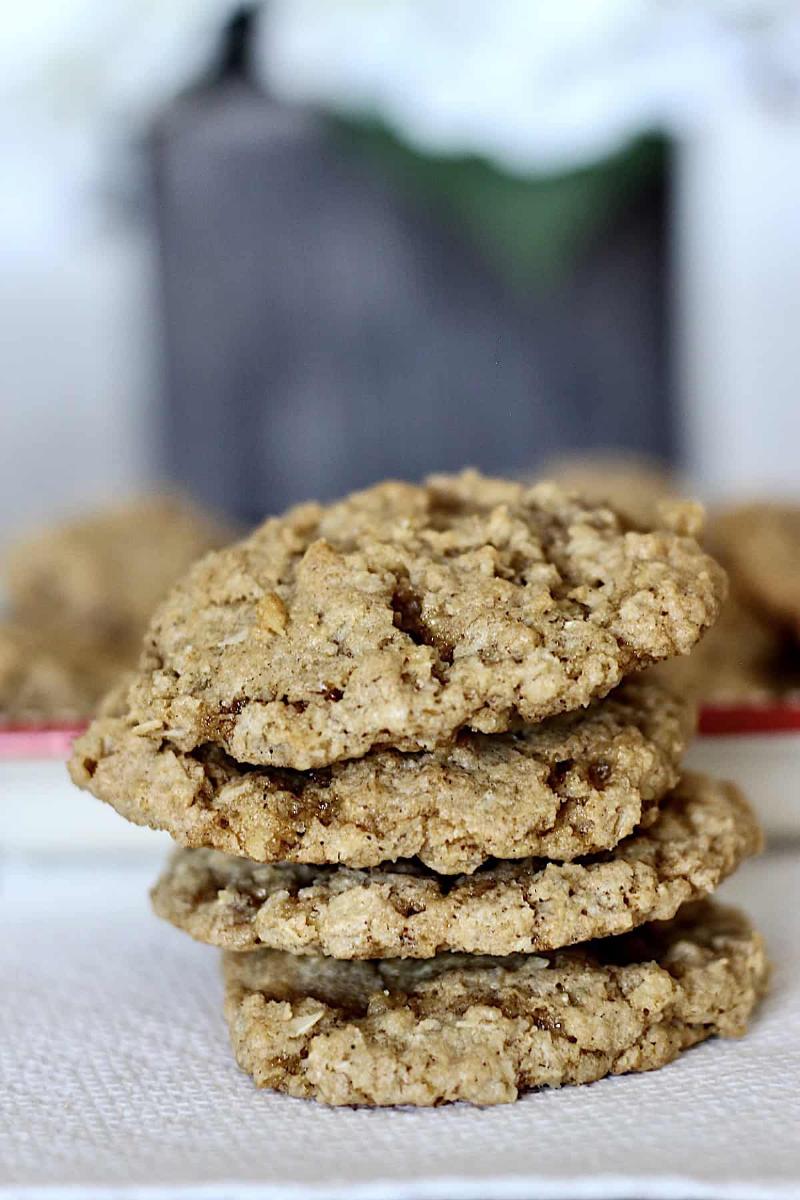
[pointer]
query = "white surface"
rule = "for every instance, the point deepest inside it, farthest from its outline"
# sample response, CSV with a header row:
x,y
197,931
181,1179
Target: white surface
x,y
77,418
117,1080
51,815
766,767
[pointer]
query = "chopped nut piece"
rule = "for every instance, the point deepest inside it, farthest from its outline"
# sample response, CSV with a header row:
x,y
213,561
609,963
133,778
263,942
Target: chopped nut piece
x,y
272,614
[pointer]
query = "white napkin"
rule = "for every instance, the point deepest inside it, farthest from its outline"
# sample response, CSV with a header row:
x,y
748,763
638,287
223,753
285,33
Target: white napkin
x,y
116,1079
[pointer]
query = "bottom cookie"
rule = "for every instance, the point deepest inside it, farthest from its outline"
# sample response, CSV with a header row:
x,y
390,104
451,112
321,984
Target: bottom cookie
x,y
481,1029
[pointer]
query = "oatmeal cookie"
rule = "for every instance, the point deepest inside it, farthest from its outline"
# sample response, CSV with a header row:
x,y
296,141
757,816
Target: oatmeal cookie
x,y
704,830
454,1027
572,785
738,662
633,485
404,613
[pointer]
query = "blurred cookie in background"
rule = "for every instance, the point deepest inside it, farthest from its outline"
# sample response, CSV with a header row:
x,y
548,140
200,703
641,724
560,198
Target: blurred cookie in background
x,y
44,677
742,660
752,654
103,574
633,485
760,546
80,595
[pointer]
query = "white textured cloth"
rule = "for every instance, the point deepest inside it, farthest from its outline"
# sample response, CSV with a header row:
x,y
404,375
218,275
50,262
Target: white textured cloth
x,y
116,1078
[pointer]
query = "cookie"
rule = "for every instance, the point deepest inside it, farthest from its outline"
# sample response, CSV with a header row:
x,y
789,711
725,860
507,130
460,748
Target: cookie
x,y
633,485
704,830
50,679
400,615
738,661
454,1027
101,576
761,548
573,785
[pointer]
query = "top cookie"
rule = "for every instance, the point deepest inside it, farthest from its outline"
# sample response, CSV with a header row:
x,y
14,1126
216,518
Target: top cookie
x,y
101,576
633,485
401,614
760,544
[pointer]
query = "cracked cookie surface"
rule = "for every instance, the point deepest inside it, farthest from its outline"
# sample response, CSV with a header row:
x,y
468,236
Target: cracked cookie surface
x,y
422,1032
572,785
705,828
404,613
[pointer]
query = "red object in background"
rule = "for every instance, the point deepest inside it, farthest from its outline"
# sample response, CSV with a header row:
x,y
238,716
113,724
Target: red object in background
x,y
721,720
38,741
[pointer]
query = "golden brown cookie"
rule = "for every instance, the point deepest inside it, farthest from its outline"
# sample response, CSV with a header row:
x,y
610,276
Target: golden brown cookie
x,y
572,785
455,1027
704,830
402,614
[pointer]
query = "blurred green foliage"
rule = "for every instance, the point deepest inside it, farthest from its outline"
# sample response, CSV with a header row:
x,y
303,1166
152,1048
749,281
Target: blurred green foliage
x,y
533,228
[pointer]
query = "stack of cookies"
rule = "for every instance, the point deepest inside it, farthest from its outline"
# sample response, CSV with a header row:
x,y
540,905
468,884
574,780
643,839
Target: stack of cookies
x,y
434,818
